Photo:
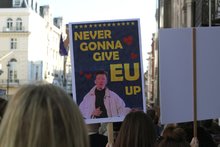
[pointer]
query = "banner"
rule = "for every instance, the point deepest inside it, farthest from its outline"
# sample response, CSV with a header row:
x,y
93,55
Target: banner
x,y
62,50
107,54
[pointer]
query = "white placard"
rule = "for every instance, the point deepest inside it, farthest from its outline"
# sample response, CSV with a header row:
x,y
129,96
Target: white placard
x,y
176,74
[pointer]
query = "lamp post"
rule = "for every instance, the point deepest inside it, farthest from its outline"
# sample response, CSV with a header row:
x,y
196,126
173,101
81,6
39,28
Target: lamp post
x,y
8,65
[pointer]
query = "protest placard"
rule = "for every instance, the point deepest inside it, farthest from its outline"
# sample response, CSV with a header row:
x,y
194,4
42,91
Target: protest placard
x,y
176,74
112,47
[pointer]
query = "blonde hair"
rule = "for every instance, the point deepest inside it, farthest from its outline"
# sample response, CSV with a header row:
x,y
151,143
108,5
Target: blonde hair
x,y
42,115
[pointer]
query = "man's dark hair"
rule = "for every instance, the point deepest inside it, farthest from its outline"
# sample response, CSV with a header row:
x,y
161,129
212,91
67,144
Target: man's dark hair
x,y
101,72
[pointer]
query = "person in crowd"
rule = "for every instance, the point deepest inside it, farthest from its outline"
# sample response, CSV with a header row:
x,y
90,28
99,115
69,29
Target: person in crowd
x,y
42,115
173,137
116,128
96,139
3,104
137,130
101,102
204,137
212,127
154,116
168,130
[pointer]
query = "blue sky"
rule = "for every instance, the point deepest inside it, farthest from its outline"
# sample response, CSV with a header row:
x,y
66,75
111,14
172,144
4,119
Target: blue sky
x,y
96,10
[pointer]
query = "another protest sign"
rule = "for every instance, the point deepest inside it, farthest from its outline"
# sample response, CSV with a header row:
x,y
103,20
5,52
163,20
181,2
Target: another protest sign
x,y
176,74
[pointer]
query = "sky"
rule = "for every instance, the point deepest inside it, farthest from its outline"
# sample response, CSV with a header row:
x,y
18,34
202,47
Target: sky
x,y
98,10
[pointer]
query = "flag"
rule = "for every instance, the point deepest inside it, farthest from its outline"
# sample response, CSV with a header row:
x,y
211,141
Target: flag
x,y
62,51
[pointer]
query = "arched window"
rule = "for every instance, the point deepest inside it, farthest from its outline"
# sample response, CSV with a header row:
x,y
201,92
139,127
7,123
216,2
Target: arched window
x,y
18,24
13,75
9,23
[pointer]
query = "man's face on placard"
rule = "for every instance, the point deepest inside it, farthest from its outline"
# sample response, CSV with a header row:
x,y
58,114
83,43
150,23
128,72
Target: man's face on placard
x,y
101,81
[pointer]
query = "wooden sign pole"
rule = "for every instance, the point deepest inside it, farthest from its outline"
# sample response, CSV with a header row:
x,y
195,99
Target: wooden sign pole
x,y
194,83
110,134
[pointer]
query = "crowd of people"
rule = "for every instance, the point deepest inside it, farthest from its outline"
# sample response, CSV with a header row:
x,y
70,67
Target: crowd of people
x,y
44,115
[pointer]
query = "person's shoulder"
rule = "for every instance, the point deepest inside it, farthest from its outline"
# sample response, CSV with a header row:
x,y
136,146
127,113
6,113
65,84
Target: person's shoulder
x,y
91,92
110,92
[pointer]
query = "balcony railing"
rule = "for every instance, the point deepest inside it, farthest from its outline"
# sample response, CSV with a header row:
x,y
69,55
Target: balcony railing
x,y
14,29
12,82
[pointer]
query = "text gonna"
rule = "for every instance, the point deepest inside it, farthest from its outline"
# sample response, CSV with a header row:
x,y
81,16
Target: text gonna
x,y
100,45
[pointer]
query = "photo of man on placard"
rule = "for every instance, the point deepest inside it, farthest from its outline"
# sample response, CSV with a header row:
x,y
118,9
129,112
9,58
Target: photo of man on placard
x,y
101,102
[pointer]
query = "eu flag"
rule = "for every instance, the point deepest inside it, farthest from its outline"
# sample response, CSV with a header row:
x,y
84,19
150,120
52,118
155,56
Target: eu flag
x,y
62,51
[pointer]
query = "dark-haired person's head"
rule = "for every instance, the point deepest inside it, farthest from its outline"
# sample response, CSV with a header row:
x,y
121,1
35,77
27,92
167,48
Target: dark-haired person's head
x,y
174,137
101,80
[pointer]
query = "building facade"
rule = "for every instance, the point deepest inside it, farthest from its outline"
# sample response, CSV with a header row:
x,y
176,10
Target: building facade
x,y
29,49
178,14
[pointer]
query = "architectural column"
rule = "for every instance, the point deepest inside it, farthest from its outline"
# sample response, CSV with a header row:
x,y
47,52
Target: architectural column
x,y
189,13
1,71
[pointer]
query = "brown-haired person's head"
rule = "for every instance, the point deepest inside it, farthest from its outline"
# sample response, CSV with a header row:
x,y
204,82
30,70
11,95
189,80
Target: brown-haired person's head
x,y
137,130
42,115
174,137
168,130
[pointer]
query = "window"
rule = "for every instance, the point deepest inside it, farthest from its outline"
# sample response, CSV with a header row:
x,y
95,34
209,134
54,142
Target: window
x,y
13,76
13,43
9,23
36,74
18,24
36,7
16,3
32,4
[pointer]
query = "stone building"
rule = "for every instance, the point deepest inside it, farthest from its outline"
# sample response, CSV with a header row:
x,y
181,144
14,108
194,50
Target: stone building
x,y
29,44
178,14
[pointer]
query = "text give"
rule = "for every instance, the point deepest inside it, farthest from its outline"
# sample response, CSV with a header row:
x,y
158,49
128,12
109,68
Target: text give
x,y
102,56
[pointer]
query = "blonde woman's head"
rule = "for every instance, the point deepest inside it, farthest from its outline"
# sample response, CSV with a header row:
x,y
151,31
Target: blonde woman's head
x,y
42,115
